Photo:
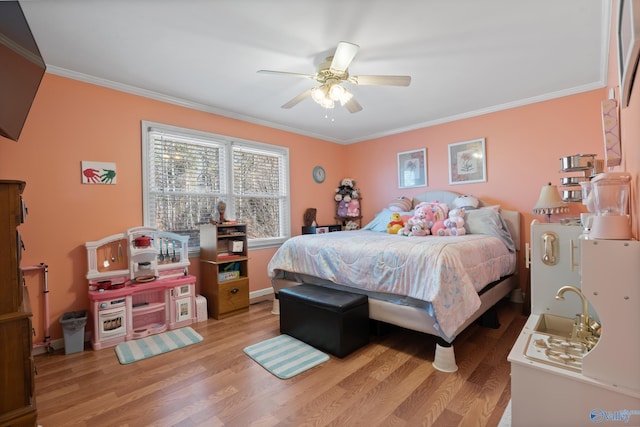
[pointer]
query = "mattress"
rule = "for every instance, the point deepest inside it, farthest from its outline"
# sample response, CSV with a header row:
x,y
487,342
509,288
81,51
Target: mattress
x,y
447,272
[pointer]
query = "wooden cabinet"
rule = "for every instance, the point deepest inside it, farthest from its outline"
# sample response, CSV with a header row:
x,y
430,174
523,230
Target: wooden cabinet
x,y
17,390
224,268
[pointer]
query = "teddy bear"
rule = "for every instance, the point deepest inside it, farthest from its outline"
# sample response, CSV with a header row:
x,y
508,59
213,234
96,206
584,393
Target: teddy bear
x,y
396,223
438,211
347,191
351,225
353,207
422,217
455,223
404,231
434,211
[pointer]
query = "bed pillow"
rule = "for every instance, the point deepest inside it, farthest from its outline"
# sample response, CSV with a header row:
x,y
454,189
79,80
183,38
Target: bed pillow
x,y
379,223
400,204
490,222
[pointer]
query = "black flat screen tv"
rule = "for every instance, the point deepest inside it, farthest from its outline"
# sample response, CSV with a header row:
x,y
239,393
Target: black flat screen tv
x,y
21,69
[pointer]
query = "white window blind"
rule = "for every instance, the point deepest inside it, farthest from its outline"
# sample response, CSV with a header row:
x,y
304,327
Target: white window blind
x,y
186,173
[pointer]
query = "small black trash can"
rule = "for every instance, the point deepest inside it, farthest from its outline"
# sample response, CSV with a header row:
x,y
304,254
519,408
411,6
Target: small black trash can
x,y
73,324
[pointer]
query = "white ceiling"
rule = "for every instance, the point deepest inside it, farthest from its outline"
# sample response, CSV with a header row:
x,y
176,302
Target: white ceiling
x,y
466,57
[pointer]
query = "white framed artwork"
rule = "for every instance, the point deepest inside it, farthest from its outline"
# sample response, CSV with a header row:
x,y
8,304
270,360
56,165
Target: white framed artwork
x,y
467,162
412,168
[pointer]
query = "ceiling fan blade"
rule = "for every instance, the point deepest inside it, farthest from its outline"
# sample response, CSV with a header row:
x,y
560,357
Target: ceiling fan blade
x,y
286,73
352,105
298,99
345,52
381,80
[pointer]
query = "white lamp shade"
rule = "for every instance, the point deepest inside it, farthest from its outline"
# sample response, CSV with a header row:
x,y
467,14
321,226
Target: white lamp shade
x,y
336,92
550,201
317,93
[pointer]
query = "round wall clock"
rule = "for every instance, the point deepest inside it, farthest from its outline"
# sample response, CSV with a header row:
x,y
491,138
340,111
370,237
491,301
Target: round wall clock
x,y
319,174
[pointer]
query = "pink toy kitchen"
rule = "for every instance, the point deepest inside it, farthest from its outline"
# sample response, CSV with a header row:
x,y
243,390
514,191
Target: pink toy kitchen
x,y
577,360
138,285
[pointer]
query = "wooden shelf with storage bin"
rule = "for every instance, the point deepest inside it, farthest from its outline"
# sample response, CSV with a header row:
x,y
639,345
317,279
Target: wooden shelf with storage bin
x,y
224,268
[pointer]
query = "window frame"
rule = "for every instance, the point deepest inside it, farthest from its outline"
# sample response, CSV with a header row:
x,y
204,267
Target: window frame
x,y
227,193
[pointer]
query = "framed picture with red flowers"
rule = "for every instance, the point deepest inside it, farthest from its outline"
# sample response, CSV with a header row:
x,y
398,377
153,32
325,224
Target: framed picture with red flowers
x,y
467,162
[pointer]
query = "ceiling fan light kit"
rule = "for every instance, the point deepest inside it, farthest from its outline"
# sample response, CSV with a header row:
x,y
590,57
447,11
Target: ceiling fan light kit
x,y
330,93
331,74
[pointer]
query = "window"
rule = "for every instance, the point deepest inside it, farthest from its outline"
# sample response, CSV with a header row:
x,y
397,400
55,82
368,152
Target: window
x,y
185,173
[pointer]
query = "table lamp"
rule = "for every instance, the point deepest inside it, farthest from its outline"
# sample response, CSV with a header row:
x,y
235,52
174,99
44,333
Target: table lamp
x,y
550,202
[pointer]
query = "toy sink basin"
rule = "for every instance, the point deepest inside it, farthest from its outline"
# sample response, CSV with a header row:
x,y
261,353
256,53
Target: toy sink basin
x,y
554,325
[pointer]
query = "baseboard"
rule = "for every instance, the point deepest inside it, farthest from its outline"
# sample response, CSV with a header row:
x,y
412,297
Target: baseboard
x,y
42,349
260,295
58,344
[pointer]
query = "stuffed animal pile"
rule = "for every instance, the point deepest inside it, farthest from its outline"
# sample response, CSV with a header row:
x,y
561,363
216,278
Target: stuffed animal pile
x,y
425,215
434,218
347,196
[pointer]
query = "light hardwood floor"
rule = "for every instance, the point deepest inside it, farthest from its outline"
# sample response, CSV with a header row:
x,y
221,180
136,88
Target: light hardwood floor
x,y
389,382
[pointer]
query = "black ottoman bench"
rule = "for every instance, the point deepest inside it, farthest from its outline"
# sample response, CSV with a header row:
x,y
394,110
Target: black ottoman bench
x,y
330,320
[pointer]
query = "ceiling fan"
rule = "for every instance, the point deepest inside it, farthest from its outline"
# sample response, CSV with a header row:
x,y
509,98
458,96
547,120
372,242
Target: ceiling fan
x,y
334,71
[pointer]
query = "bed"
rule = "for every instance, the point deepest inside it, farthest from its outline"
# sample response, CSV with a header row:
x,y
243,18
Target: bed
x,y
433,284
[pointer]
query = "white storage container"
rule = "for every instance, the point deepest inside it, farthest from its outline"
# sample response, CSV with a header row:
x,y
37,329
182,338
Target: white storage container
x,y
201,309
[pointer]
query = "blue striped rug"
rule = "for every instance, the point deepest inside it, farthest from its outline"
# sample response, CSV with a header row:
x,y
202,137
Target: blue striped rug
x,y
285,356
132,351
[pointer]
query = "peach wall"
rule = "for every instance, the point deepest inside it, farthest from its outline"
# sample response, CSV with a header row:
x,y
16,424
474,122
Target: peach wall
x,y
71,121
523,148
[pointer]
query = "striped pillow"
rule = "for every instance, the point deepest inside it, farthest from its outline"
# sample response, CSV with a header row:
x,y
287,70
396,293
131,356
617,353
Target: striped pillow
x,y
400,204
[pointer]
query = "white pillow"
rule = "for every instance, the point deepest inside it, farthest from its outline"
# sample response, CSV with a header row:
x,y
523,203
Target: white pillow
x,y
490,222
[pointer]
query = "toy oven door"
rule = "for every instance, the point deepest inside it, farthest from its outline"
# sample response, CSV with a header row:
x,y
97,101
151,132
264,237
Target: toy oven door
x,y
112,323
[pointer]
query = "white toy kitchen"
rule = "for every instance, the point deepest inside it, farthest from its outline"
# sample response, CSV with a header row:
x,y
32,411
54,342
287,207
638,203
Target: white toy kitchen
x,y
138,285
577,360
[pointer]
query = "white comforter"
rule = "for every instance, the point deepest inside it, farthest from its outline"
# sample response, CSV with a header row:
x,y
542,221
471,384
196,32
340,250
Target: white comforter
x,y
446,271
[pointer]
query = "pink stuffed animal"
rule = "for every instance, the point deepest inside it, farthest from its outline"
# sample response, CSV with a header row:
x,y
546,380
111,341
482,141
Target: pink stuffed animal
x,y
420,216
434,211
438,229
353,207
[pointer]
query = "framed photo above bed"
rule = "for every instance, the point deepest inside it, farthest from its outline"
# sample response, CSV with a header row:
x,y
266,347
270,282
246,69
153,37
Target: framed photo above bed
x,y
467,162
412,168
628,32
